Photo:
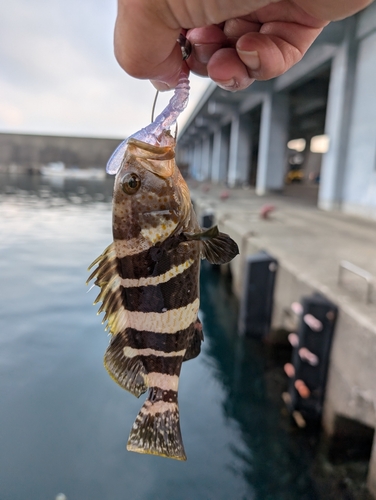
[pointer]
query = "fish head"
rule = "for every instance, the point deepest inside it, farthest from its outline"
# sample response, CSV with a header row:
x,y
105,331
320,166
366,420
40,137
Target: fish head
x,y
151,199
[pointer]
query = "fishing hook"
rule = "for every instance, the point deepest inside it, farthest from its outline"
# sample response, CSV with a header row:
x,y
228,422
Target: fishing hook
x,y
185,46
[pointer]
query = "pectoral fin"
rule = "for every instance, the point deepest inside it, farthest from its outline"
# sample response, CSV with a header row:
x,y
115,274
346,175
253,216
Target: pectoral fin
x,y
220,249
205,235
217,248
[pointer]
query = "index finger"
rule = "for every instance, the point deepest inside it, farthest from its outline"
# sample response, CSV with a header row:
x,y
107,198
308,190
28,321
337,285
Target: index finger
x,y
145,47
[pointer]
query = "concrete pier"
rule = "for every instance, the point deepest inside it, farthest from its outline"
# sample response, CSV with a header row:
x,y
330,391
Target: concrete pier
x,y
309,245
314,126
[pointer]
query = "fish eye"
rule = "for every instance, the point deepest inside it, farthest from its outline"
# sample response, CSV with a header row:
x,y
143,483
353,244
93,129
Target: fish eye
x,y
130,183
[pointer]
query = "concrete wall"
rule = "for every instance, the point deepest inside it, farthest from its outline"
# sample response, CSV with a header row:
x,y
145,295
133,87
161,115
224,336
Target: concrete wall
x,y
32,151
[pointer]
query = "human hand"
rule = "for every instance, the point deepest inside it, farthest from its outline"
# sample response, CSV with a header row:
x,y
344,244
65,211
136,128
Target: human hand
x,y
234,43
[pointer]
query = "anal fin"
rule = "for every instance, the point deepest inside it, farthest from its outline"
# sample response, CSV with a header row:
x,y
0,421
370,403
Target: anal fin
x,y
194,347
129,373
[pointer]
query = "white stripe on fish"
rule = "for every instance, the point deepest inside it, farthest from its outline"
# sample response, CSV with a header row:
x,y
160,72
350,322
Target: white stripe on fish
x,y
156,280
163,381
148,237
133,246
170,321
130,352
163,230
157,407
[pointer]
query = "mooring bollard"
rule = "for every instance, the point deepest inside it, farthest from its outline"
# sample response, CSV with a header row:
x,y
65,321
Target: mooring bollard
x,y
207,219
310,357
256,304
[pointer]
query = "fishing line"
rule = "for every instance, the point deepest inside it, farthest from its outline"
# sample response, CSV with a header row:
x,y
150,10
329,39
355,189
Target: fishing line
x,y
186,50
154,104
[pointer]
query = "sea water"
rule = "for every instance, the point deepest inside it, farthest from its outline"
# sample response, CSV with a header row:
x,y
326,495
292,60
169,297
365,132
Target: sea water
x,y
64,423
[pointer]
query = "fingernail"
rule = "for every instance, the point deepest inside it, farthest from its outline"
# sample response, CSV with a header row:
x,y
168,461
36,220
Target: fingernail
x,y
250,58
204,51
161,86
230,85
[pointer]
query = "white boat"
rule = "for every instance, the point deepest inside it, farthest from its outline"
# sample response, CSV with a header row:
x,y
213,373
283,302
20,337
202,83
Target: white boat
x,y
58,169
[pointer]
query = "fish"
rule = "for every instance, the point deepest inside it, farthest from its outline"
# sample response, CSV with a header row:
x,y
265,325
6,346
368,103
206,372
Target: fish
x,y
149,283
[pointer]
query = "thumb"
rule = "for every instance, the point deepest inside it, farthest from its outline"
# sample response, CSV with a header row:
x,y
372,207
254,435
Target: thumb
x,y
145,47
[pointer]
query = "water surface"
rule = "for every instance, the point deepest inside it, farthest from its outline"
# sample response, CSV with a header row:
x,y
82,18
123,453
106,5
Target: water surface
x,y
64,423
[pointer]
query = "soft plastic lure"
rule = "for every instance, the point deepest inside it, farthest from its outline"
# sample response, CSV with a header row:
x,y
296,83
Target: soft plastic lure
x,y
153,133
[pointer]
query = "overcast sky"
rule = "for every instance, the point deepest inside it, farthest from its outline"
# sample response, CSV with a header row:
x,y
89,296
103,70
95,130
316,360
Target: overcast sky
x,y
58,74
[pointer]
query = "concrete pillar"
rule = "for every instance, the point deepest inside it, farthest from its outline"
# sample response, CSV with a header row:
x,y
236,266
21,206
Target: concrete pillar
x,y
196,164
240,150
272,144
181,154
191,151
220,155
187,155
206,153
337,125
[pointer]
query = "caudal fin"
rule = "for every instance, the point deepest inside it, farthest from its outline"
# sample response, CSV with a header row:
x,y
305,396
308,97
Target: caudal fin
x,y
156,430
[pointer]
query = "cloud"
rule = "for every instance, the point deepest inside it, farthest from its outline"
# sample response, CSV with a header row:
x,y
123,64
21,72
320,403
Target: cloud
x,y
59,75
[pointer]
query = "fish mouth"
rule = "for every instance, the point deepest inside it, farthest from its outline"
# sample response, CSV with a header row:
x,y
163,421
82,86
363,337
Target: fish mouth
x,y
156,159
150,151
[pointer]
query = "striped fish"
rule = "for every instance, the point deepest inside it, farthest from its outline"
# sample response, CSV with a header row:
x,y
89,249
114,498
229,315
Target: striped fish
x,y
149,280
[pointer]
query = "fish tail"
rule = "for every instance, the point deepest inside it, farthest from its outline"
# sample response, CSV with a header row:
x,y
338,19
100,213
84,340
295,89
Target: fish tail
x,y
156,430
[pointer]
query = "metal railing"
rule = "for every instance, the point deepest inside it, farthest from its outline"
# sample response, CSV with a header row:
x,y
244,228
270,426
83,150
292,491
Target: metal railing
x,y
345,265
